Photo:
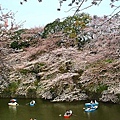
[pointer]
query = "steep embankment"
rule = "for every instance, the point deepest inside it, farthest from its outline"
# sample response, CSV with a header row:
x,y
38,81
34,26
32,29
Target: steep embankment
x,y
62,73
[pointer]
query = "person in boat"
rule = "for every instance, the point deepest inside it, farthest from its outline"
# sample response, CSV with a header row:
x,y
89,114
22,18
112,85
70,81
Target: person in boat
x,y
92,102
96,102
68,112
32,102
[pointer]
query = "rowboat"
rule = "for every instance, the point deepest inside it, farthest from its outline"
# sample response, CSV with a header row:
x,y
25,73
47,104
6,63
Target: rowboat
x,y
32,103
68,114
91,109
13,102
92,106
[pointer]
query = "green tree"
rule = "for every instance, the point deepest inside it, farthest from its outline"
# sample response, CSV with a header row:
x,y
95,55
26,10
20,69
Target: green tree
x,y
71,26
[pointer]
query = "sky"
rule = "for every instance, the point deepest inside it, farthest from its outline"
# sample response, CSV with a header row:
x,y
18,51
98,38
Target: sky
x,y
37,14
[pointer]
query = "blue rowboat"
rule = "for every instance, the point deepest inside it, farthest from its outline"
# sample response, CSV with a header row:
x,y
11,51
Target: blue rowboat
x,y
92,106
91,109
32,103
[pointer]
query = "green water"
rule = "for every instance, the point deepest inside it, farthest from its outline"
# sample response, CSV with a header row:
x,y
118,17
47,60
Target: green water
x,y
44,110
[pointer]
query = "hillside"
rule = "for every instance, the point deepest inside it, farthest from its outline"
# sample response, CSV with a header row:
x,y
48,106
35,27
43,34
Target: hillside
x,y
53,68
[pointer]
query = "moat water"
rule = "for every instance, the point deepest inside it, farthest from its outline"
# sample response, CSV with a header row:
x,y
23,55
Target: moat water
x,y
45,110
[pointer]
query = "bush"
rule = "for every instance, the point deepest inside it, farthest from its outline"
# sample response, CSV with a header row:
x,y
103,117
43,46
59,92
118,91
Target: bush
x,y
109,60
14,45
31,93
10,90
24,71
17,45
101,88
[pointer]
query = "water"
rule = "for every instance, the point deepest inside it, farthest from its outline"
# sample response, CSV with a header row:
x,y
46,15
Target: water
x,y
44,110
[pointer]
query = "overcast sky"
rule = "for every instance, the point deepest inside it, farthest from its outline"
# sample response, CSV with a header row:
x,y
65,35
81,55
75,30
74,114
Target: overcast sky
x,y
39,14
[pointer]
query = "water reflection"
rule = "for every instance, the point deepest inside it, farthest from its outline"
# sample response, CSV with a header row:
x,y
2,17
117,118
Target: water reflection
x,y
13,109
88,114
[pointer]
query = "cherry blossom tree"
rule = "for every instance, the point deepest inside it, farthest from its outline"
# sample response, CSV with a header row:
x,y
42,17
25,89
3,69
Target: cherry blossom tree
x,y
7,20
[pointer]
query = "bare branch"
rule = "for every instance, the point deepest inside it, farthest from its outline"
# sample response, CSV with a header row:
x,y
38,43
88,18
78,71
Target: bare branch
x,y
71,9
86,7
109,18
115,10
79,7
99,2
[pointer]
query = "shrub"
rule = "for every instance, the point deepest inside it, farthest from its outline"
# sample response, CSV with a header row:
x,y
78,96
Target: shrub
x,y
31,93
24,71
100,88
12,87
109,60
14,45
10,90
